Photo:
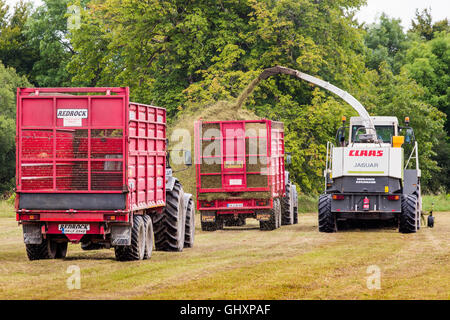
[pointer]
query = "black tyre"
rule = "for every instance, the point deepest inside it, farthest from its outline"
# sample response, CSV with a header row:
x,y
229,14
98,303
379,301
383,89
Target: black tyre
x,y
209,226
327,219
295,215
430,222
169,226
148,226
61,250
189,232
136,250
275,218
87,246
287,208
46,250
235,223
408,218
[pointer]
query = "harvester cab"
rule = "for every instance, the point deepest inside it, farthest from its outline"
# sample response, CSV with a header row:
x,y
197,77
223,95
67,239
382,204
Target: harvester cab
x,y
367,177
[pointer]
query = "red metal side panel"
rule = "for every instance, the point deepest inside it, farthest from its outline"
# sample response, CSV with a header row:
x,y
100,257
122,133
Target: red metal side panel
x,y
71,143
277,159
147,161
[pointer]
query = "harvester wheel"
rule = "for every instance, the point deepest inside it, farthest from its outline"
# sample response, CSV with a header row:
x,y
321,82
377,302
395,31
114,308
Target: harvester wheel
x,y
327,219
61,250
190,226
169,226
46,250
136,250
148,226
408,217
287,208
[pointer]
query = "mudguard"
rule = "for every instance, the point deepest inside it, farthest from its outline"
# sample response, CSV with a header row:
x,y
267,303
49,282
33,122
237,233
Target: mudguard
x,y
32,234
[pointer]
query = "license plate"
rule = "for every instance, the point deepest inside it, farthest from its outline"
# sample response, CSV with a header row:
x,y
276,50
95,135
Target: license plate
x,y
235,205
74,228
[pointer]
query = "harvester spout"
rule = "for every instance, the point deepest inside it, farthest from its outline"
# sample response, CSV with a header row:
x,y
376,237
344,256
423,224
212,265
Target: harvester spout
x,y
367,121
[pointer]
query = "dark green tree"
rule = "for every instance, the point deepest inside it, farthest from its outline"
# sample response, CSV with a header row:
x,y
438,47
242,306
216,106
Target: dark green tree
x,y
15,49
9,81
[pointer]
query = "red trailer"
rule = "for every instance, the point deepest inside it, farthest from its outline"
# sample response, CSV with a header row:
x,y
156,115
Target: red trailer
x,y
240,172
91,168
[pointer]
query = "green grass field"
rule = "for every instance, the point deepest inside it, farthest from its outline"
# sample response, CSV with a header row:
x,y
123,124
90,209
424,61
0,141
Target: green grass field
x,y
293,262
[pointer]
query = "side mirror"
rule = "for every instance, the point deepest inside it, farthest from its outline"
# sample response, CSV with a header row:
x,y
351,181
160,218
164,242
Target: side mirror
x,y
187,158
288,158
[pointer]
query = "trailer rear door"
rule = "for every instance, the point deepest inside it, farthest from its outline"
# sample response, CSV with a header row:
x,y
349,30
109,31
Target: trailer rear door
x,y
233,134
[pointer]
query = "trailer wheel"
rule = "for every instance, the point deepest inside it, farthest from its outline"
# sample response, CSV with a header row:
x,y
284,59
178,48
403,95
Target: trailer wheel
x,y
189,232
408,216
277,203
327,219
46,250
148,226
209,226
235,223
169,226
275,218
136,250
287,212
61,250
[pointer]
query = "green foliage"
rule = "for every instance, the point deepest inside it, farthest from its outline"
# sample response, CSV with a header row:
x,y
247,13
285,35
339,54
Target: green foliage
x,y
9,81
47,33
386,41
15,49
428,63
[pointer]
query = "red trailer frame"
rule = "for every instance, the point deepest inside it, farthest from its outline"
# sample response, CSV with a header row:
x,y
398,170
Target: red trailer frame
x,y
275,168
78,147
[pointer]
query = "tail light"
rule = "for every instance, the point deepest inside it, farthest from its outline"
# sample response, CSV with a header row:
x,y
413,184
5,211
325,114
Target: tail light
x,y
393,197
261,203
366,203
207,204
338,197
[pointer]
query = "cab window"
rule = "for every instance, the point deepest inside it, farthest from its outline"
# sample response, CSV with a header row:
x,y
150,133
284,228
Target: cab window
x,y
384,133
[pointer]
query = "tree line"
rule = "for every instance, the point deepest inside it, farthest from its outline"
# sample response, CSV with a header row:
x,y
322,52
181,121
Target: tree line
x,y
182,54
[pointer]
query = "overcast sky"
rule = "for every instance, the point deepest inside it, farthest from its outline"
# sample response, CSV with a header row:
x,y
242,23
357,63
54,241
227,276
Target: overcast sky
x,y
403,9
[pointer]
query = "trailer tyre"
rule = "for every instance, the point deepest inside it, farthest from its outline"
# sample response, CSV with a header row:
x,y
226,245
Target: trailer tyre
x,y
209,226
190,226
61,250
327,219
235,223
275,218
287,207
170,225
148,225
46,250
408,216
136,250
